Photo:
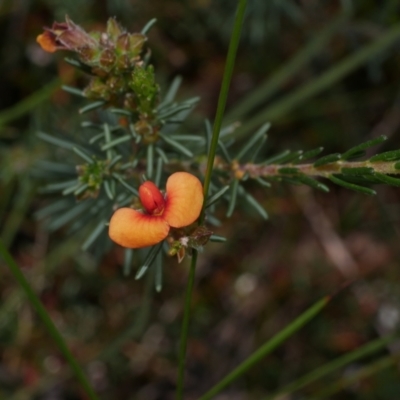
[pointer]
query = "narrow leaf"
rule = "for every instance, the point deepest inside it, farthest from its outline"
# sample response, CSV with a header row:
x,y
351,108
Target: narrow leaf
x,y
308,154
253,141
313,183
148,26
232,198
363,146
352,186
392,155
81,153
334,365
128,257
162,155
148,261
218,239
115,142
125,184
56,141
73,90
158,279
215,197
94,235
150,161
357,171
262,182
224,151
159,169
254,203
108,189
389,180
330,158
177,146
92,106
172,90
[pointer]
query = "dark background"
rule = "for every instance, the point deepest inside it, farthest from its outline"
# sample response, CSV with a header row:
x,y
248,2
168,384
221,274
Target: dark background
x,y
123,333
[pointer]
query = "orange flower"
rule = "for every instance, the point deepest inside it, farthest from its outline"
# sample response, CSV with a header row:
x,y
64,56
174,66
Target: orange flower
x,y
180,207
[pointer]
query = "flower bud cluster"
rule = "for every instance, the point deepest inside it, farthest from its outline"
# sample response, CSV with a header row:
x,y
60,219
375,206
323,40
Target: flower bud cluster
x,y
120,77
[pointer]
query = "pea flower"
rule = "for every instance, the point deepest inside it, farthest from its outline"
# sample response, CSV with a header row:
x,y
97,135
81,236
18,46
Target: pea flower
x,y
180,207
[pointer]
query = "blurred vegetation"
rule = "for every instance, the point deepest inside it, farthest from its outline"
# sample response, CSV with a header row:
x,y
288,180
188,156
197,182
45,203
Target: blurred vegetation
x,y
267,273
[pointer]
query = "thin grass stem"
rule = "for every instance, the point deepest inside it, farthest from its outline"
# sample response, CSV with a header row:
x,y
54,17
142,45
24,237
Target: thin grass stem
x,y
267,348
230,62
49,324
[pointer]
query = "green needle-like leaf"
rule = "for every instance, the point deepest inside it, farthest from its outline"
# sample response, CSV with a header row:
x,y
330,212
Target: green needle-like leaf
x,y
158,278
308,154
81,153
363,146
115,142
56,141
358,171
218,239
215,197
128,257
148,261
392,155
389,180
232,197
253,203
330,158
177,146
94,235
262,182
73,90
92,106
312,183
224,151
150,161
253,141
352,186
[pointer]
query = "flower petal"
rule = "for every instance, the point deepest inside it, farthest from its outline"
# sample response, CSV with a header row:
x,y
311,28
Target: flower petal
x,y
131,228
184,199
47,42
151,198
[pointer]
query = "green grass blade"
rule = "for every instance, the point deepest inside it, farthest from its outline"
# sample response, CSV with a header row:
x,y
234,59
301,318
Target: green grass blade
x,y
332,366
363,373
352,186
28,104
267,348
230,62
223,95
38,306
318,85
274,82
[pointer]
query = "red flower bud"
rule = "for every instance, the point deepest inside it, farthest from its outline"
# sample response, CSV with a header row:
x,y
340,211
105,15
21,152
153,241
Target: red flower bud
x,y
151,198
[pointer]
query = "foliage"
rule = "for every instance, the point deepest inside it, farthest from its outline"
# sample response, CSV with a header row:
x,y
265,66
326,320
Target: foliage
x,y
131,129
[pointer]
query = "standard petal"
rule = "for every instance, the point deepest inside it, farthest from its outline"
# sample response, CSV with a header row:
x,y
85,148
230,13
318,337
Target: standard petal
x,y
131,228
184,199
